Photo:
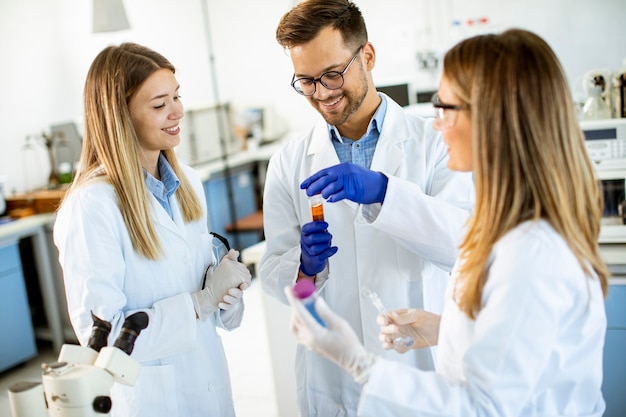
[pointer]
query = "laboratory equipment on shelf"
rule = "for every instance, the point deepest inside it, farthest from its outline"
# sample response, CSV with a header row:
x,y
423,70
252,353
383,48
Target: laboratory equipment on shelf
x,y
605,141
406,341
596,84
618,98
78,383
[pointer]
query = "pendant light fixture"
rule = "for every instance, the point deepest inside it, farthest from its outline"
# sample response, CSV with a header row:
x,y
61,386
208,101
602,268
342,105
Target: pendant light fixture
x,y
109,16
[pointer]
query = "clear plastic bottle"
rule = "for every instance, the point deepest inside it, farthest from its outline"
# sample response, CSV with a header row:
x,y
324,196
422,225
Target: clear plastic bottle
x,y
304,290
595,107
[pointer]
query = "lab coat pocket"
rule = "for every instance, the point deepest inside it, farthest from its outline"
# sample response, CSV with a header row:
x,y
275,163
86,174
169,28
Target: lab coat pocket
x,y
156,391
410,265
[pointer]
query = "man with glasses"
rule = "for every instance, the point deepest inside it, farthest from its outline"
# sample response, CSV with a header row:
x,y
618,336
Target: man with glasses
x,y
394,212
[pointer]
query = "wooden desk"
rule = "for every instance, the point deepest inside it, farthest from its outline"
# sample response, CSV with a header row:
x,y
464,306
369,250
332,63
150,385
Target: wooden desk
x,y
42,201
250,223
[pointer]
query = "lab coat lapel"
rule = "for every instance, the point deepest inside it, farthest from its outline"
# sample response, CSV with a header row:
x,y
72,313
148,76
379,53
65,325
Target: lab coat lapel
x,y
321,150
163,221
323,155
389,154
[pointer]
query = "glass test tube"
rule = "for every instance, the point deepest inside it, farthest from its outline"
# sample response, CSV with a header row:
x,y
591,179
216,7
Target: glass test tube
x,y
317,207
406,341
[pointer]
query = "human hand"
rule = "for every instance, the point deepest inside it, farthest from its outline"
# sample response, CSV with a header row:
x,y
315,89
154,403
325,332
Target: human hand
x,y
337,342
421,325
230,274
347,180
233,255
231,298
315,247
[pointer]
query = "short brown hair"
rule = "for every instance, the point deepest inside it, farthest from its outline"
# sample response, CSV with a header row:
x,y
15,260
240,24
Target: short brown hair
x,y
305,21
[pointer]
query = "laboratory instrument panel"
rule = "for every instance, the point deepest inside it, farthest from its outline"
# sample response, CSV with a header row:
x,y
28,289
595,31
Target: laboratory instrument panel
x,y
606,145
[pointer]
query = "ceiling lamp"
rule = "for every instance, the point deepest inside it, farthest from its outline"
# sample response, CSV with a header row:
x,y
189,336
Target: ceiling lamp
x,y
109,16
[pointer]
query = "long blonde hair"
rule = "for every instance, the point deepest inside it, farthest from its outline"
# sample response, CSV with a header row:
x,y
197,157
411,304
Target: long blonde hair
x,y
110,145
529,156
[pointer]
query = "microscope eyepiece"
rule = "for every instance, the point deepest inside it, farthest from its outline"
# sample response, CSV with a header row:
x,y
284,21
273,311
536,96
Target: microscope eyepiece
x,y
99,333
133,325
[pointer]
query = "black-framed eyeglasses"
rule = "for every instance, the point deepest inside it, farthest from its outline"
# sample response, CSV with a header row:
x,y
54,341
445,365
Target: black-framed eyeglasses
x,y
331,80
449,119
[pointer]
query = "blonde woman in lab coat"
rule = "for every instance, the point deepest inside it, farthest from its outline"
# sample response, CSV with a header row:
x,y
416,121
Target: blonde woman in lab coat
x,y
132,236
522,330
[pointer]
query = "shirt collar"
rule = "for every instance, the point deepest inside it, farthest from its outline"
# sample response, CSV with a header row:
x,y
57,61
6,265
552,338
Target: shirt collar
x,y
169,182
375,125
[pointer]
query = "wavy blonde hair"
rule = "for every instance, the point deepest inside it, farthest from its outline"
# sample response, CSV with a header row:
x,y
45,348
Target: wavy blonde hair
x,y
529,156
110,145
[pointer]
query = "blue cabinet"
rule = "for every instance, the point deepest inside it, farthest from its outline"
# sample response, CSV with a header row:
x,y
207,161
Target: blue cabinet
x,y
17,342
243,194
614,366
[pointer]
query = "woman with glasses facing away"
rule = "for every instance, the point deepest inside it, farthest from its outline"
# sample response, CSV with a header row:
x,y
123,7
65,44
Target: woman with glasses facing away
x,y
394,212
132,236
523,326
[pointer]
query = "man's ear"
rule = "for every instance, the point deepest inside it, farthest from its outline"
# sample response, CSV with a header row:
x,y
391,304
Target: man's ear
x,y
369,55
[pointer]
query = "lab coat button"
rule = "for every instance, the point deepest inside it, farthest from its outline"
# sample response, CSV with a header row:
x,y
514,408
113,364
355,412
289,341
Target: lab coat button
x,y
210,387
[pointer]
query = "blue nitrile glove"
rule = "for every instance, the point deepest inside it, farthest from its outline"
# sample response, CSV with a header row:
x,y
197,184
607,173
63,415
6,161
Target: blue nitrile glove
x,y
315,245
347,180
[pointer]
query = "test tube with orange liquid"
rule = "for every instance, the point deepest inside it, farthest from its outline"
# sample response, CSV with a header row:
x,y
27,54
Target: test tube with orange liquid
x,y
317,208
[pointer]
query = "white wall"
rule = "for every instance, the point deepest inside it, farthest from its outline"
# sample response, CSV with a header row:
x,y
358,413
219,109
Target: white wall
x,y
47,47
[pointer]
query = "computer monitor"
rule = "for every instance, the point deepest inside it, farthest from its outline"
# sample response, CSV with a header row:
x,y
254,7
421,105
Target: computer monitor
x,y
398,92
205,132
425,96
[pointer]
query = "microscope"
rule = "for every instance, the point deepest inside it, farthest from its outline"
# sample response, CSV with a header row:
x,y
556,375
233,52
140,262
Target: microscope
x,y
78,384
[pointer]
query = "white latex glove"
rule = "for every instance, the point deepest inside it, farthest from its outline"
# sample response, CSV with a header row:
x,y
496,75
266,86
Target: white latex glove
x,y
229,274
421,325
232,297
337,342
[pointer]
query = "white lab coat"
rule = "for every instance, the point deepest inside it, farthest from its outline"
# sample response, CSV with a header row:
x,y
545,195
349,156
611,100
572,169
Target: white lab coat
x,y
404,255
535,348
183,366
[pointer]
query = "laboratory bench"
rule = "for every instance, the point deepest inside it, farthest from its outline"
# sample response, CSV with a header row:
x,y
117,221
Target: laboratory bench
x,y
18,331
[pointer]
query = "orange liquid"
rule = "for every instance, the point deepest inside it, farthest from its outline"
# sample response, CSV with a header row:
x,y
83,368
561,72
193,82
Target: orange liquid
x,y
317,212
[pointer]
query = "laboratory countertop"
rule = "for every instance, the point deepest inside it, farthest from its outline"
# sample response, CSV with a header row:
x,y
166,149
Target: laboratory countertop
x,y
25,226
260,153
